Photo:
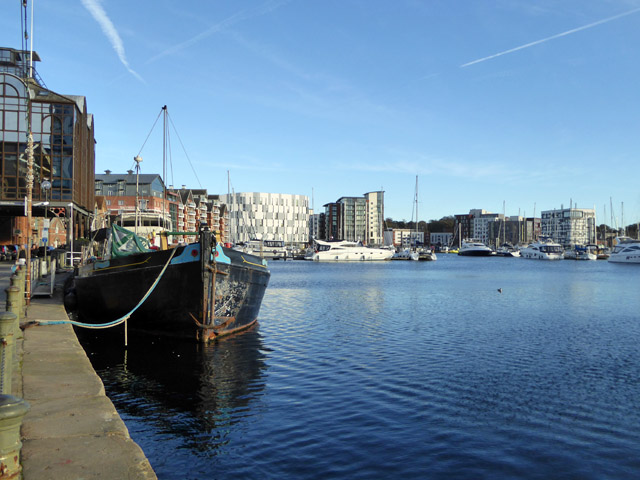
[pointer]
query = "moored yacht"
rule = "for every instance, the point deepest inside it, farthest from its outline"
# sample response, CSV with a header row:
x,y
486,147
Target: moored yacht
x,y
474,248
508,250
543,249
345,251
405,254
627,250
271,249
426,254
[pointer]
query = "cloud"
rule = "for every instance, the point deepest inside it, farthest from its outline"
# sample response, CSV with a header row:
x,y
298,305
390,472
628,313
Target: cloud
x,y
97,12
553,37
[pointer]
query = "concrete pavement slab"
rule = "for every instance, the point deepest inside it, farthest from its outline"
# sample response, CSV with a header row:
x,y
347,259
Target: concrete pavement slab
x,y
72,430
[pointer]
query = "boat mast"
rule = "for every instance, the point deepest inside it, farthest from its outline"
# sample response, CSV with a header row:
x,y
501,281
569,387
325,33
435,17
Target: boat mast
x,y
229,208
137,159
416,239
164,166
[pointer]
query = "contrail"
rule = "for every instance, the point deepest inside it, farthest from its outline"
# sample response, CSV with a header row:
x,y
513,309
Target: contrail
x,y
553,37
238,17
97,12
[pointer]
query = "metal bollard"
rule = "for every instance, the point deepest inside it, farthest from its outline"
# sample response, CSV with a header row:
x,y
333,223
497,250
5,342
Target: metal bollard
x,y
7,322
12,411
20,282
13,301
15,282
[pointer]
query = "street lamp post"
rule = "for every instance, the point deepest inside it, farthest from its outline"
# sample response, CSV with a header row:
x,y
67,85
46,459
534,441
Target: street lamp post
x,y
46,186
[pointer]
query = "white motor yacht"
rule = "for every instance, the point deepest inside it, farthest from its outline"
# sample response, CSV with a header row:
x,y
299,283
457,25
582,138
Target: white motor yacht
x,y
474,248
508,250
270,249
348,252
627,250
405,254
543,249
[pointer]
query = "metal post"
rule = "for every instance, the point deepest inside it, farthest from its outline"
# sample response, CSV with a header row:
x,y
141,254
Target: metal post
x,y
7,322
19,280
46,186
14,304
12,411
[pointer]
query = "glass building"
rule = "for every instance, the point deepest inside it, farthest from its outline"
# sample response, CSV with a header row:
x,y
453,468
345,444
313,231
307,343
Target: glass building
x,y
64,154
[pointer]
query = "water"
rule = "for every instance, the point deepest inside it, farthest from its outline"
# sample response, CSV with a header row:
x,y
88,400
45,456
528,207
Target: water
x,y
401,370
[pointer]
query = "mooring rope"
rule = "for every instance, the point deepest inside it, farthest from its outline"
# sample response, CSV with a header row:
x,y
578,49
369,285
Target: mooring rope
x,y
114,323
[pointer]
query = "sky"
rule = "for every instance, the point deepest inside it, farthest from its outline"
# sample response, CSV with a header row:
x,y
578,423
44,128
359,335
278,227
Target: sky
x,y
512,106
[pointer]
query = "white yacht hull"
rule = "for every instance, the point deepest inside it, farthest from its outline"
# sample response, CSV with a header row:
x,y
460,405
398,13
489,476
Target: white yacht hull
x,y
627,251
361,255
534,255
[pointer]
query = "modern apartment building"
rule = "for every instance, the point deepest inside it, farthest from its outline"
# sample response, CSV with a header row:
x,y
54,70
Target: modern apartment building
x,y
482,223
268,216
356,219
403,238
570,226
374,230
441,238
515,230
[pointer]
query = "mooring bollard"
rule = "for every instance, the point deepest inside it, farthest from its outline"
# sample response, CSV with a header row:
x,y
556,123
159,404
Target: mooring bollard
x,y
16,282
7,322
13,302
12,411
20,283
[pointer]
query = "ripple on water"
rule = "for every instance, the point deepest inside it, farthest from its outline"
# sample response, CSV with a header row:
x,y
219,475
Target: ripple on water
x,y
406,370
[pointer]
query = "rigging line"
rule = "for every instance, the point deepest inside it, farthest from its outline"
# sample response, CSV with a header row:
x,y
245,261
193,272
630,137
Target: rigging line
x,y
25,34
154,126
170,152
185,151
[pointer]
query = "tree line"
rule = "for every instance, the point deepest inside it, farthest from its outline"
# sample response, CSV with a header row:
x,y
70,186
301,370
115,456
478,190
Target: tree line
x,y
444,225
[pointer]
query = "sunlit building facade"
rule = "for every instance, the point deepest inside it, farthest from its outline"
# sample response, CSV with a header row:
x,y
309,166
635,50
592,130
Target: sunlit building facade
x,y
268,216
63,158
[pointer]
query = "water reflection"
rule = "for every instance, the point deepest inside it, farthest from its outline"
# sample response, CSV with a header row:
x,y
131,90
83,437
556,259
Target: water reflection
x,y
180,385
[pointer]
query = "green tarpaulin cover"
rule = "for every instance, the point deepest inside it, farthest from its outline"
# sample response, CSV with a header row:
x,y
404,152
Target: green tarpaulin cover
x,y
125,242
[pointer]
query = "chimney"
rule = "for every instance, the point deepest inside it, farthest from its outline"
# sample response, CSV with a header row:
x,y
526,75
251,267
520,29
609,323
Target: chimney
x,y
108,172
130,172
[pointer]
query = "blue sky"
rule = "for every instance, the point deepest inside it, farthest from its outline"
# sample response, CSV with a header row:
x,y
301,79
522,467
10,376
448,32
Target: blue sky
x,y
530,103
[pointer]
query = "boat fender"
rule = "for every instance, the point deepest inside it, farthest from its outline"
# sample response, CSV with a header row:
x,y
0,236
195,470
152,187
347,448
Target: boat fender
x,y
70,300
69,284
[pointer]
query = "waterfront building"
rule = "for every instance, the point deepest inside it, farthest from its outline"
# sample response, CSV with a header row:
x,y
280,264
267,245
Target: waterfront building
x,y
482,225
159,208
121,191
356,219
570,226
374,215
268,216
515,230
316,226
441,238
463,228
63,155
197,207
403,237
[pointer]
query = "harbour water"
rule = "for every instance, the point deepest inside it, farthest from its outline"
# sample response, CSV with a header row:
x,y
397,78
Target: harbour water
x,y
400,370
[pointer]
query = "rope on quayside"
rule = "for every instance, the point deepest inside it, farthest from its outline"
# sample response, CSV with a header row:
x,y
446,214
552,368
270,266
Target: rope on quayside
x,y
114,323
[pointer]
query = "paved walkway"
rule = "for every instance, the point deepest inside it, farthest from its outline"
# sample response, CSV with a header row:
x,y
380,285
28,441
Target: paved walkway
x,y
72,430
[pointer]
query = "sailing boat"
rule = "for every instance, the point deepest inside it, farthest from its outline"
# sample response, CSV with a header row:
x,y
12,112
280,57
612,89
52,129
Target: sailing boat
x,y
200,291
422,253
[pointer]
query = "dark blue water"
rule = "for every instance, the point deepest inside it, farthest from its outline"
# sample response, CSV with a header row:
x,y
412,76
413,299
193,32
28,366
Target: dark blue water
x,y
401,370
